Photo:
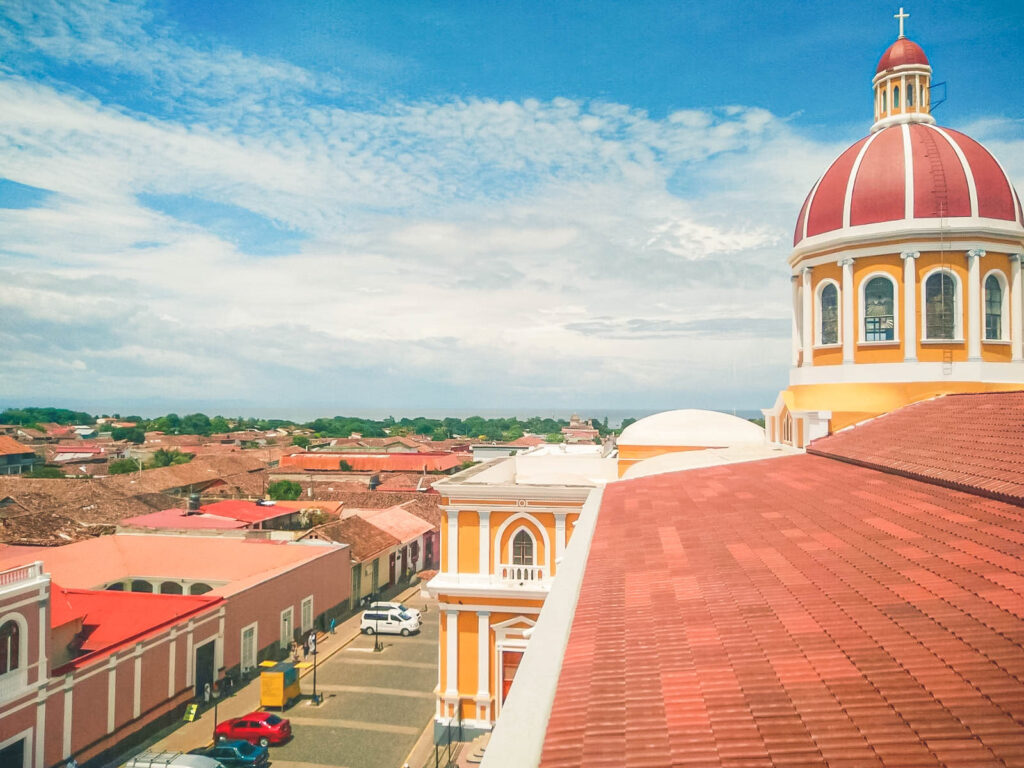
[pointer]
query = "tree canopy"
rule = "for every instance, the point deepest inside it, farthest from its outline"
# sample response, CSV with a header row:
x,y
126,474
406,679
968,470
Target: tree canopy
x,y
26,416
284,490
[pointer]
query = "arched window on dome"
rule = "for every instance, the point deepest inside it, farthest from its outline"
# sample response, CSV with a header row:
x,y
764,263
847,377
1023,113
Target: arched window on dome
x,y
828,314
910,95
522,548
879,310
895,97
10,647
884,107
940,290
994,310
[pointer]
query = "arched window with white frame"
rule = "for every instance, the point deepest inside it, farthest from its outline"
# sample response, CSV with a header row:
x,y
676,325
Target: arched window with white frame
x,y
995,307
896,97
522,548
10,646
878,302
828,313
910,95
942,306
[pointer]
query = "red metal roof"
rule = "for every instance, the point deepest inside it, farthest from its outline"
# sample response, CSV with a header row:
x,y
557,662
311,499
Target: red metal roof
x,y
179,519
113,619
940,182
373,462
246,511
797,611
972,442
903,51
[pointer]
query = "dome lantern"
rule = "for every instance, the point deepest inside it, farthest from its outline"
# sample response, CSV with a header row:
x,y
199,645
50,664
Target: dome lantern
x,y
902,83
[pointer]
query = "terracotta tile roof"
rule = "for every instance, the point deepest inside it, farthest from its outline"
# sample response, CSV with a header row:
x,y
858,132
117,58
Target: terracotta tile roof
x,y
244,473
399,522
799,611
402,481
365,540
973,442
11,447
378,462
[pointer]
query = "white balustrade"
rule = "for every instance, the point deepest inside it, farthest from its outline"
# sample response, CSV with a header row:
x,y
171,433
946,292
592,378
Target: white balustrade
x,y
522,573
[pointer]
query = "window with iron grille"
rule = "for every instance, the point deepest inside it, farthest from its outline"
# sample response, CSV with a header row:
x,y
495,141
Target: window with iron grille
x,y
993,308
940,306
879,317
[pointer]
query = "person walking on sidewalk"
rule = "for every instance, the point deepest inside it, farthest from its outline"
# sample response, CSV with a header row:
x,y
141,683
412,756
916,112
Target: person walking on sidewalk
x,y
332,625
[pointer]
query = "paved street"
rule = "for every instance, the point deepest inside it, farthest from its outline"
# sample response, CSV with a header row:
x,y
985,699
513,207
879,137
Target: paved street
x,y
375,704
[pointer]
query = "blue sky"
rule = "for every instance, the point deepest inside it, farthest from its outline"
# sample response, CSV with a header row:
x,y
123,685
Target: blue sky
x,y
434,205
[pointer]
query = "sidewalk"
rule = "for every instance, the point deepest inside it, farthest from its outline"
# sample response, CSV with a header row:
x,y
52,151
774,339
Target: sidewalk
x,y
199,732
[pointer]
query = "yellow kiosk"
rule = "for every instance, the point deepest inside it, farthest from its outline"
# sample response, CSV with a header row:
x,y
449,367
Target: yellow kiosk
x,y
279,684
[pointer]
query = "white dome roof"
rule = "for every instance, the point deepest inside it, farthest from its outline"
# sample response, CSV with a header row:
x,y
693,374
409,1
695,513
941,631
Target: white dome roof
x,y
692,427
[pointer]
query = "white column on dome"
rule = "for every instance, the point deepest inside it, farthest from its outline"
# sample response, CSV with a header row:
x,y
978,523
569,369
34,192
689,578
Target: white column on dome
x,y
453,541
849,327
909,305
795,283
974,257
808,318
1016,321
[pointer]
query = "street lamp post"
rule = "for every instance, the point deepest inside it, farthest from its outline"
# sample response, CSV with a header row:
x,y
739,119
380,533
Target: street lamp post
x,y
377,645
312,650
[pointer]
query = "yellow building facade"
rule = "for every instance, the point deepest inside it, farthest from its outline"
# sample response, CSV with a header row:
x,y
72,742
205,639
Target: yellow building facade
x,y
505,527
905,269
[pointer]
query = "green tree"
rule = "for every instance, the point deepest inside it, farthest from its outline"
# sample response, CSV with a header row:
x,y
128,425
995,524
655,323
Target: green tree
x,y
626,423
123,466
219,424
48,473
300,440
344,466
131,434
195,424
555,437
165,457
284,490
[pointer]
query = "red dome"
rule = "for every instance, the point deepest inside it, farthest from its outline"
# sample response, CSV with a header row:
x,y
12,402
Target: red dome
x,y
903,51
904,173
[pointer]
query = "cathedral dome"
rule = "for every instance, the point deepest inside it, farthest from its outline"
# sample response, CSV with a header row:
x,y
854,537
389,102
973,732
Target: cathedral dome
x,y
910,174
691,428
901,53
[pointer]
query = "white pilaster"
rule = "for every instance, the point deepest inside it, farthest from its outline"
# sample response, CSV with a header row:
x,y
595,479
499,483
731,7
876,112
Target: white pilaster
x,y
848,327
910,305
111,693
485,541
172,657
795,285
69,682
40,747
451,633
189,655
1016,320
483,665
453,541
137,683
974,257
559,538
808,318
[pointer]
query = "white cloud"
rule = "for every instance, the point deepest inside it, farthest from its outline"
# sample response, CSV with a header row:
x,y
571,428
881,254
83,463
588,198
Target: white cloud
x,y
464,250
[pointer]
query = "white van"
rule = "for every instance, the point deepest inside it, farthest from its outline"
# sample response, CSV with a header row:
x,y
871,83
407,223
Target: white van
x,y
389,622
397,606
171,760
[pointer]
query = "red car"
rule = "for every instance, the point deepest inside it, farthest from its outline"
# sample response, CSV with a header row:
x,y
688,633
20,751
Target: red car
x,y
263,728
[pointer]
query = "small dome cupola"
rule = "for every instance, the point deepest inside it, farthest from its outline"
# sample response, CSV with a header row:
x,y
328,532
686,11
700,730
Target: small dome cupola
x,y
902,83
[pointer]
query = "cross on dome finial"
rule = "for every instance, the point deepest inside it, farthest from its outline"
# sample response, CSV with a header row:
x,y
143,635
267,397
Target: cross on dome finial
x,y
901,16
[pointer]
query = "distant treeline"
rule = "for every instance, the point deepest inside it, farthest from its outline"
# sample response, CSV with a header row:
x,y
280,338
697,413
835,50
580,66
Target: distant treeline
x,y
474,427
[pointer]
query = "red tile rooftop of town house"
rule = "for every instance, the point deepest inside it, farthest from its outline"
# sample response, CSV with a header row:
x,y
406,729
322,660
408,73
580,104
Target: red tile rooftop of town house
x,y
972,442
795,612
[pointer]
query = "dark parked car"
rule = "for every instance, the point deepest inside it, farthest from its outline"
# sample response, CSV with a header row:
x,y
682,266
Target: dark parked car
x,y
263,728
237,752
